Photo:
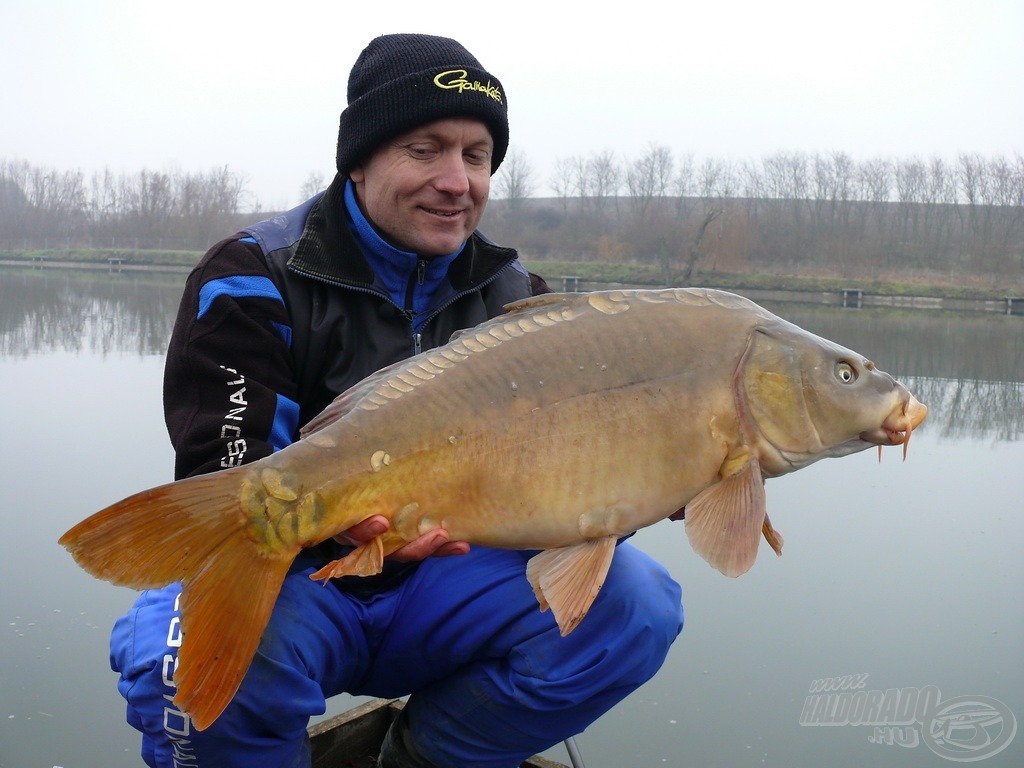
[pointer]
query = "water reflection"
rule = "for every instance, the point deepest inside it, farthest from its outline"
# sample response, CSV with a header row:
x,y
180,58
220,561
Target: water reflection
x,y
968,368
49,310
959,408
937,345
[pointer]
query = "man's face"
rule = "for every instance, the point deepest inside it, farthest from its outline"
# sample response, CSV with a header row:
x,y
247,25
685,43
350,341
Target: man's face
x,y
426,190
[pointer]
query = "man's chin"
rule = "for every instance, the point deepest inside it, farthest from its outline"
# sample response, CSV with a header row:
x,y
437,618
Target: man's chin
x,y
442,246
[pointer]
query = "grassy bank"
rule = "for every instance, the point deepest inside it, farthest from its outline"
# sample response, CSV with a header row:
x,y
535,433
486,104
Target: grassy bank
x,y
105,256
630,274
651,275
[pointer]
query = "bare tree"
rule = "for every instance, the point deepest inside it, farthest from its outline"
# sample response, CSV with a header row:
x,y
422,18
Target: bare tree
x,y
603,181
14,202
571,177
684,185
605,174
561,182
709,177
315,182
514,180
650,176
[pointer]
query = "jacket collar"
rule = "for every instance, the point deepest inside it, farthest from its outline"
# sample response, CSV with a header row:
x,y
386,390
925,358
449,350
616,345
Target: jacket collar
x,y
328,250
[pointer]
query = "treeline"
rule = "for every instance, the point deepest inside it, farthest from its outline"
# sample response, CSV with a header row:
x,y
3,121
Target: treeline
x,y
959,220
49,208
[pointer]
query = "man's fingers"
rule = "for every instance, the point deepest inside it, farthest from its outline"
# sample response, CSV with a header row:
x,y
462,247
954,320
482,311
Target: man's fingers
x,y
452,548
431,544
363,531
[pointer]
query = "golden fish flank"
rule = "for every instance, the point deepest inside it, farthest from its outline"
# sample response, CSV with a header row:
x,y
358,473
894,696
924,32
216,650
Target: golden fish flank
x,y
620,408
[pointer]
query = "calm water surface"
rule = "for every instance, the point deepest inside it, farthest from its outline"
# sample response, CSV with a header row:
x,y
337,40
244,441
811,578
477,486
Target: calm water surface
x,y
901,577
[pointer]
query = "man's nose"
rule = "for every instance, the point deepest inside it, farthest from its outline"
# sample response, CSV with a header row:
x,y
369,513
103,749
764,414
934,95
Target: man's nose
x,y
451,174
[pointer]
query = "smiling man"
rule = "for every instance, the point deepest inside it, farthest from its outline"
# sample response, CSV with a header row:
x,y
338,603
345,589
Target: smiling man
x,y
427,189
278,320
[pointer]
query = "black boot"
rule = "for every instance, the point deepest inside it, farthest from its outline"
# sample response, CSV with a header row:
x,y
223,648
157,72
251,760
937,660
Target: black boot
x,y
398,750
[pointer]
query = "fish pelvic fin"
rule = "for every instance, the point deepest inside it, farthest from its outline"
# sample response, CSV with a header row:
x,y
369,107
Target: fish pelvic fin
x,y
772,536
568,579
724,522
365,560
192,531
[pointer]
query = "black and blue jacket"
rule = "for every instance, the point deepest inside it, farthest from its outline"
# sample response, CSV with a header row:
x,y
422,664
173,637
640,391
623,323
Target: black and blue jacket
x,y
279,319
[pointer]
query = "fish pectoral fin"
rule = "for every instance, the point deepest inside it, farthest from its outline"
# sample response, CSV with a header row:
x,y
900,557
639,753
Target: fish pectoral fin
x,y
568,579
724,522
364,560
773,537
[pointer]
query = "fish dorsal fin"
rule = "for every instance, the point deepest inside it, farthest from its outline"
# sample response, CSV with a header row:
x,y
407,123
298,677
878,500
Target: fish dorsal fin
x,y
347,400
724,522
386,384
522,305
540,300
401,377
568,579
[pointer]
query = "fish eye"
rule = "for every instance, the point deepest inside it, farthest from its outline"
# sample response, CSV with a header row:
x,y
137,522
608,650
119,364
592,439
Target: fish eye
x,y
846,373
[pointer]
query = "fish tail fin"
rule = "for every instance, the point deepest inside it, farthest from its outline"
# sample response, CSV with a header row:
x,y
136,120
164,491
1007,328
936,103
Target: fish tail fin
x,y
224,611
193,531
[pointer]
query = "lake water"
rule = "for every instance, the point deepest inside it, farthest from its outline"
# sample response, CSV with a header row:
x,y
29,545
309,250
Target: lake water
x,y
901,581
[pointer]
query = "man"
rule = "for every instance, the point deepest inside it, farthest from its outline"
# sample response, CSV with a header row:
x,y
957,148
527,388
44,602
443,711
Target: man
x,y
278,320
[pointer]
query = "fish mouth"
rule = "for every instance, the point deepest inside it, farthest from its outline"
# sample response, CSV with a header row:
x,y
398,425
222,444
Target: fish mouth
x,y
898,425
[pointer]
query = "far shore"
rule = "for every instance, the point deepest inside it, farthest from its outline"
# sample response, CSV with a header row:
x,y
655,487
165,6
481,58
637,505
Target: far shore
x,y
911,293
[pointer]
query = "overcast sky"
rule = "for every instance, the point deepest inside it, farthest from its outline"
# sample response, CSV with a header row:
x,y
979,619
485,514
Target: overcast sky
x,y
194,84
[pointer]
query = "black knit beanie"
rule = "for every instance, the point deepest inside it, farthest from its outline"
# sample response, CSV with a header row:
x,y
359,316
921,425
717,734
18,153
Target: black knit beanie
x,y
400,82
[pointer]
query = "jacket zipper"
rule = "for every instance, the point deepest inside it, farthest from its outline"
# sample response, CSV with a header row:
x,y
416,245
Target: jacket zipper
x,y
418,280
458,296
417,338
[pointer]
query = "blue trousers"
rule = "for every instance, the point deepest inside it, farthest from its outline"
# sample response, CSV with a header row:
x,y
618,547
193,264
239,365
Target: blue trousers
x,y
491,679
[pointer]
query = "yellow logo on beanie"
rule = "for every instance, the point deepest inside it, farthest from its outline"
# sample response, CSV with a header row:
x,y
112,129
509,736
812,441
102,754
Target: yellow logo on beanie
x,y
456,78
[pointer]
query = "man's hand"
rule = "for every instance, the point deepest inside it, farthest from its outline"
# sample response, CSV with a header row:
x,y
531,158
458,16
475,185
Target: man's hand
x,y
433,543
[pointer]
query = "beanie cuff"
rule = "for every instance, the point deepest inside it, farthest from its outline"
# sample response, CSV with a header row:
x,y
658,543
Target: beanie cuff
x,y
397,105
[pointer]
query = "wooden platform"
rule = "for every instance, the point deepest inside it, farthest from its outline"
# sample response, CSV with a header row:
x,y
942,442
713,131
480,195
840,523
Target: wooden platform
x,y
353,738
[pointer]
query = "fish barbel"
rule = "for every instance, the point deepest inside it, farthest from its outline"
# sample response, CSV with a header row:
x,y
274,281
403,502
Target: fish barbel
x,y
561,426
